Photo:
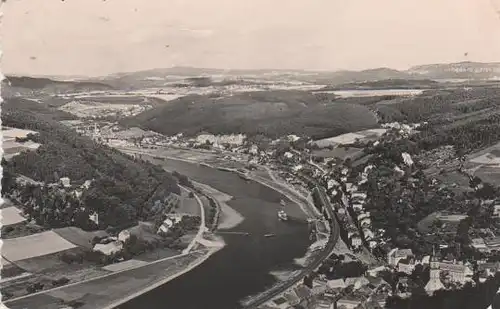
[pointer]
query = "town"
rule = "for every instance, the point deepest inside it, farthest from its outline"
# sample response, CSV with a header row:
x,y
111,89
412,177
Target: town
x,y
405,230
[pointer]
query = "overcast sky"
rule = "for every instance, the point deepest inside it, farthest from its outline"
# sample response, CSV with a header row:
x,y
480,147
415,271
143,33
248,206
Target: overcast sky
x,y
96,37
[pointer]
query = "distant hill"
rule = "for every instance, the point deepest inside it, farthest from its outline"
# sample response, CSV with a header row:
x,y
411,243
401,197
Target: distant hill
x,y
203,77
123,191
23,84
158,77
387,84
272,113
460,70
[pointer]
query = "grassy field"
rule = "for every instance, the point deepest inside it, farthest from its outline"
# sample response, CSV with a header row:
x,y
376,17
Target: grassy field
x,y
341,153
103,292
11,215
21,248
188,205
78,236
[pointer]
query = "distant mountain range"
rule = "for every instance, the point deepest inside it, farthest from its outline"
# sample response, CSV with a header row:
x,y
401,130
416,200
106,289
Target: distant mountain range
x,y
160,77
460,70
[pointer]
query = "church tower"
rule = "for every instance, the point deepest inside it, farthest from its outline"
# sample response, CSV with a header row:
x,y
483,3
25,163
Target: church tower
x,y
434,283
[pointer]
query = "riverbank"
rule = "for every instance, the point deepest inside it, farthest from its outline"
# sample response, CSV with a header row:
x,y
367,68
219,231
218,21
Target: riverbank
x,y
229,218
215,246
298,207
111,290
200,248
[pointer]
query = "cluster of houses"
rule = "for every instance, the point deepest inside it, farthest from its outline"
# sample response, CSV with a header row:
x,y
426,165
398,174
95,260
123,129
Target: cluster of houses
x,y
112,244
367,291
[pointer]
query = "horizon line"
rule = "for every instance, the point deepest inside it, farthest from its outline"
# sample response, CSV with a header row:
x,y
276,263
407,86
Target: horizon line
x,y
117,74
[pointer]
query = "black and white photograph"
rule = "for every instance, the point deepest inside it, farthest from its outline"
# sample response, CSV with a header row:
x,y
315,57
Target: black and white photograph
x,y
250,154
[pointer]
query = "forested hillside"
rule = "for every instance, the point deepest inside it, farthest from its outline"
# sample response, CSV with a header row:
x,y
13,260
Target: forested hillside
x,y
123,189
271,113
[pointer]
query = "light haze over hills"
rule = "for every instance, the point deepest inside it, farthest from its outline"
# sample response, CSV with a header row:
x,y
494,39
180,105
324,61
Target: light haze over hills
x,y
95,38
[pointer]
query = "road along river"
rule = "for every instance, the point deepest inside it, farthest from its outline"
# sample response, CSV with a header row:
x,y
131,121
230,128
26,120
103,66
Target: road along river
x,y
243,267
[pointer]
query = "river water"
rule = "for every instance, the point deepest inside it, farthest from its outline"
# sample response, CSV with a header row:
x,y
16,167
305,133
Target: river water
x,y
243,267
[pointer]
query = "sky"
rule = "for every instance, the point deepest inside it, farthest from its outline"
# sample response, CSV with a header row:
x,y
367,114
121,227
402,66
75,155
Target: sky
x,y
99,37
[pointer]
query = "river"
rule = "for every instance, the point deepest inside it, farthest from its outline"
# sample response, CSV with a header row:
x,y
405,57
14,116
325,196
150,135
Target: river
x,y
243,267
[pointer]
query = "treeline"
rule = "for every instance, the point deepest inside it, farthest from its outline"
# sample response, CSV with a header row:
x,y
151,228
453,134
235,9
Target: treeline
x,y
440,106
398,201
467,137
123,188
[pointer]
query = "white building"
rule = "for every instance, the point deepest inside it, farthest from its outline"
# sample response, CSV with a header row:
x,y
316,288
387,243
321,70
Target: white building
x,y
109,248
94,217
396,254
434,282
65,182
169,222
124,235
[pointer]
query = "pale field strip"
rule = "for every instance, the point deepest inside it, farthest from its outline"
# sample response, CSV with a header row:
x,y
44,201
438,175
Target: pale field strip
x,y
125,265
11,215
21,248
88,108
374,92
349,138
487,158
11,133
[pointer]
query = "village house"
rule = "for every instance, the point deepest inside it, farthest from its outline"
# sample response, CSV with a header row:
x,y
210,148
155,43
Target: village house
x,y
65,182
356,240
396,254
124,235
358,196
350,302
169,222
374,271
322,303
487,270
492,243
292,298
496,211
378,284
479,244
358,207
406,266
364,219
403,287
336,285
356,282
457,272
109,248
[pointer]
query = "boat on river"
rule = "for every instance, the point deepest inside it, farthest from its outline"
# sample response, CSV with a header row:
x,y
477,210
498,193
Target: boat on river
x,y
282,215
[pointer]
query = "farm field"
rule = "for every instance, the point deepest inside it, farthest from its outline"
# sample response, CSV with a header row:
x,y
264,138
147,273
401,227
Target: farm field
x,y
188,205
340,153
125,265
106,291
78,236
11,215
91,109
486,164
21,248
349,138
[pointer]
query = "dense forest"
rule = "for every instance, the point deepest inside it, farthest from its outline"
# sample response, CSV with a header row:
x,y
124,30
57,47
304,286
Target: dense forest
x,y
399,198
270,113
123,189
